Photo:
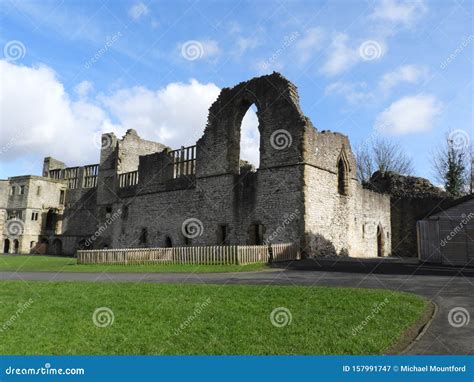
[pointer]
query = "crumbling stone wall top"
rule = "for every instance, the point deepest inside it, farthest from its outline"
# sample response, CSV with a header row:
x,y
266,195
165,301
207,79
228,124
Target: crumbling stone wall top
x,y
403,186
282,126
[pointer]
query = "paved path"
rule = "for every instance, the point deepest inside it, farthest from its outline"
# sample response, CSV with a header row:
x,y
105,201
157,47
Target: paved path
x,y
447,292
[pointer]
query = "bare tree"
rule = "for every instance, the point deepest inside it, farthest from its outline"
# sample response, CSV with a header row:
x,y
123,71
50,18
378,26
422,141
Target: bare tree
x,y
471,172
365,164
383,155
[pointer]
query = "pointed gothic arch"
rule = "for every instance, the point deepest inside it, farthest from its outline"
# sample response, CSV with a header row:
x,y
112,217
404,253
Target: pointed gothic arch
x,y
343,171
281,125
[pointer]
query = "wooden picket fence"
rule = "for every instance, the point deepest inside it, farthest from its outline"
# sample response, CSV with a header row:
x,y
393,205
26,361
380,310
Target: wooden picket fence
x,y
210,255
285,252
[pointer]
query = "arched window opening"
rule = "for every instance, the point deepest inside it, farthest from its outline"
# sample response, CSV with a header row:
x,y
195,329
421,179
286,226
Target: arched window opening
x,y
57,247
143,238
343,170
223,234
16,245
249,141
380,241
6,246
256,232
50,220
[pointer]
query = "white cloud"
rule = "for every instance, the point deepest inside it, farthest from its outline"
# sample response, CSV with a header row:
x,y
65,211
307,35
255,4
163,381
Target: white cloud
x,y
234,27
404,12
359,92
354,93
268,66
344,54
138,10
199,49
211,48
340,57
410,114
174,115
308,44
58,125
244,44
407,73
54,124
83,88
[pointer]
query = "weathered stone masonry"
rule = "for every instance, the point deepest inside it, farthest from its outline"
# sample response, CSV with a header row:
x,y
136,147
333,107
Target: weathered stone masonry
x,y
304,191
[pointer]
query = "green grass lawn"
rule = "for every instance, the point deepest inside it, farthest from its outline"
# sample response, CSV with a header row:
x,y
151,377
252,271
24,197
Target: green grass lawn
x,y
68,264
57,318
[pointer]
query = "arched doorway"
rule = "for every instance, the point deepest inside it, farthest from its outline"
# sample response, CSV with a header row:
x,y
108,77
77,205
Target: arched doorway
x,y
6,246
50,220
42,248
16,246
380,241
168,242
57,247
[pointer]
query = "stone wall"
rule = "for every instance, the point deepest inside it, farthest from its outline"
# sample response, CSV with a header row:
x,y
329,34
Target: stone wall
x,y
411,199
130,148
4,190
293,195
338,223
304,191
39,196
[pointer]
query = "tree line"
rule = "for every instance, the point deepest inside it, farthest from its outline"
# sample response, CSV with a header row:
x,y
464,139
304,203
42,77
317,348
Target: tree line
x,y
452,163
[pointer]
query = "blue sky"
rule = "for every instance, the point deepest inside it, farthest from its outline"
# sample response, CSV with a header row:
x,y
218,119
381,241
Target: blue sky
x,y
71,70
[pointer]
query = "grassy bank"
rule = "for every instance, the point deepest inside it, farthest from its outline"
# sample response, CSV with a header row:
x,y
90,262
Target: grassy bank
x,y
67,264
67,318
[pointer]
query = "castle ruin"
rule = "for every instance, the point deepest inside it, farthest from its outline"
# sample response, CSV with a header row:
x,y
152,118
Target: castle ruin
x,y
144,194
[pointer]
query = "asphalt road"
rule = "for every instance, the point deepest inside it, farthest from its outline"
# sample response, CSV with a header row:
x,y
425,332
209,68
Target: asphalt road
x,y
448,290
